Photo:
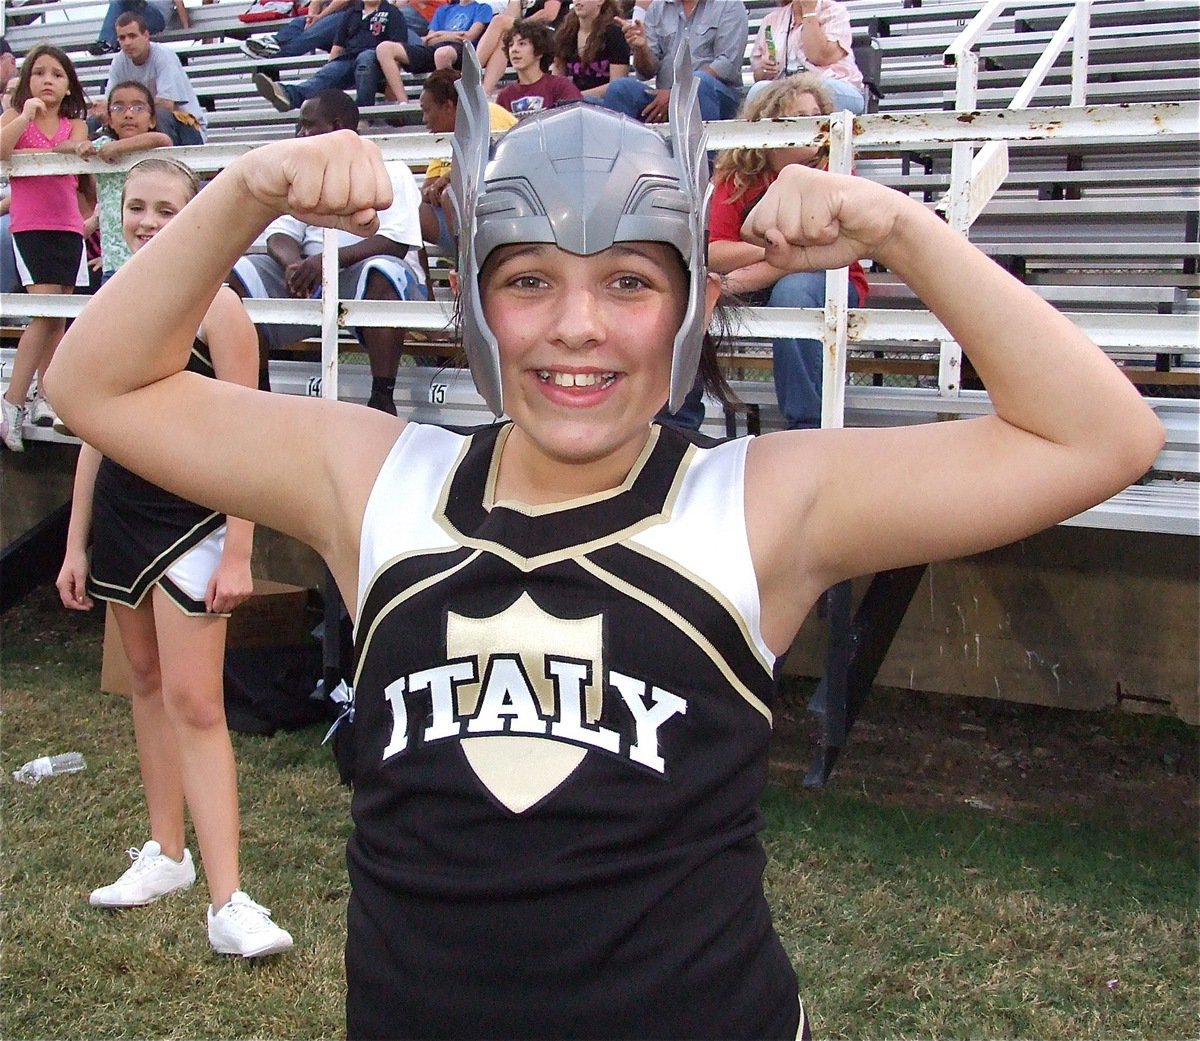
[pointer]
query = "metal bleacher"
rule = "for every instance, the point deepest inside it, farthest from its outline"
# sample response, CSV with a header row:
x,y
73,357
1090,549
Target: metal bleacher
x,y
1105,227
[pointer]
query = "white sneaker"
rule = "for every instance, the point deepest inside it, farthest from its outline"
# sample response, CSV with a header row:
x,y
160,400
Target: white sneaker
x,y
12,419
265,47
152,875
245,928
41,413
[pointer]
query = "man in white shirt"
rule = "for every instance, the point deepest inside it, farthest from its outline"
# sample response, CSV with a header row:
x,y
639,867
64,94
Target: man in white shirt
x,y
180,116
383,266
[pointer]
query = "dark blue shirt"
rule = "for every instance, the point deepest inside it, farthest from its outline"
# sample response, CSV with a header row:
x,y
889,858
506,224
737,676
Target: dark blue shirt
x,y
363,31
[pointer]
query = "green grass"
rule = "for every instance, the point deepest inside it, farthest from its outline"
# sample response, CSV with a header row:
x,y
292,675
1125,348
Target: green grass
x,y
901,923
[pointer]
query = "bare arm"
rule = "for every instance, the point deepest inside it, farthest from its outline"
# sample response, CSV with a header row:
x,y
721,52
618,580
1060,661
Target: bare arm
x,y
818,47
111,150
1069,430
72,577
301,466
13,124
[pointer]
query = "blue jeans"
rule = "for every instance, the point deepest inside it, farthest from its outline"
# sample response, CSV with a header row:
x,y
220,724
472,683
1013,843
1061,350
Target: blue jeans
x,y
294,39
718,100
844,96
155,21
798,362
361,72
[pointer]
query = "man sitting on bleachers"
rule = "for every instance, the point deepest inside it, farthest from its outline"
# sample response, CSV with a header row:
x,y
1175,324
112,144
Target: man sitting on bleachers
x,y
380,267
717,32
352,60
317,30
179,114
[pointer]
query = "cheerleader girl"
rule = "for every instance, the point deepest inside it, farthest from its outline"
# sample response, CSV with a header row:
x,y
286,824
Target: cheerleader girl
x,y
568,623
172,571
47,115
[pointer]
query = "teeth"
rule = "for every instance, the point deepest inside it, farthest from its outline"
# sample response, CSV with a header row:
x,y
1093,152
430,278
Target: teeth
x,y
576,379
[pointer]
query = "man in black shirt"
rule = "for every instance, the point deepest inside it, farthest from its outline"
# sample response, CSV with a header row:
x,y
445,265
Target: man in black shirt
x,y
351,61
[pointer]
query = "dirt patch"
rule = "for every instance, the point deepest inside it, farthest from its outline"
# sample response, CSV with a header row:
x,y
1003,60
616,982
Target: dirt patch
x,y
1018,761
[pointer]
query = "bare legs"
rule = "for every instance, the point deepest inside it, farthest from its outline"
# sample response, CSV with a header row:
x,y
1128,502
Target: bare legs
x,y
36,347
392,58
183,744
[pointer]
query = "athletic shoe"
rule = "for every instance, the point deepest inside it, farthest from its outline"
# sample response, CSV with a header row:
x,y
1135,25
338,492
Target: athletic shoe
x,y
272,91
61,428
264,48
41,414
12,419
151,875
101,47
244,928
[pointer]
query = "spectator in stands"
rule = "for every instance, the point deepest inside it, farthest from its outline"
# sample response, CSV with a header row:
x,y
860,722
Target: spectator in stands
x,y
131,127
179,114
155,14
812,35
741,177
530,47
590,48
352,59
490,48
715,30
317,30
8,63
439,108
451,28
47,113
382,266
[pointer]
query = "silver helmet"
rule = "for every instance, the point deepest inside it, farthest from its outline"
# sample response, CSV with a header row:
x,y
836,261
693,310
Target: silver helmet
x,y
580,178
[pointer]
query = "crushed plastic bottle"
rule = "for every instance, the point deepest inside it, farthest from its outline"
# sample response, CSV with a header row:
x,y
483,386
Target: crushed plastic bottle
x,y
50,766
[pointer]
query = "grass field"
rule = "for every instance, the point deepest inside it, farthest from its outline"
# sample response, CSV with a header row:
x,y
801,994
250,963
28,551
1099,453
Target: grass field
x,y
902,923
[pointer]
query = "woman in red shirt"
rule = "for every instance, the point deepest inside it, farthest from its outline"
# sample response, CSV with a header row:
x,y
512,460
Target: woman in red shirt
x,y
740,178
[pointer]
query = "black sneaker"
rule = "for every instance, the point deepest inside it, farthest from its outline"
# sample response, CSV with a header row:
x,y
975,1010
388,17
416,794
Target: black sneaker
x,y
267,48
382,401
102,47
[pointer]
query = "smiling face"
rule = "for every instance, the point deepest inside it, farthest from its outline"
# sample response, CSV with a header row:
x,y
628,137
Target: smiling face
x,y
585,358
48,81
130,112
152,199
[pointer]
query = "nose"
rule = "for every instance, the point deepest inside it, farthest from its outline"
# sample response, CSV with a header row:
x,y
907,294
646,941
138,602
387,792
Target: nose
x,y
580,323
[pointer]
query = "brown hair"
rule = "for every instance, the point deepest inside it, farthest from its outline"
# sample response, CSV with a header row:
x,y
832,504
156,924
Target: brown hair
x,y
142,89
540,37
162,165
74,102
568,34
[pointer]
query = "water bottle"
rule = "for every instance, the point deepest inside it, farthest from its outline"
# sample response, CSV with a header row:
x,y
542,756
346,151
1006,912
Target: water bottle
x,y
50,766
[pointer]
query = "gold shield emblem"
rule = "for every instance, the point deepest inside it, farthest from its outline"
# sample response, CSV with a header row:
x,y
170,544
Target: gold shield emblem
x,y
522,770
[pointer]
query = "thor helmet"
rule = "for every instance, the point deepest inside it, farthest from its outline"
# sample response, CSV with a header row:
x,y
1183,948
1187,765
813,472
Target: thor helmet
x,y
580,178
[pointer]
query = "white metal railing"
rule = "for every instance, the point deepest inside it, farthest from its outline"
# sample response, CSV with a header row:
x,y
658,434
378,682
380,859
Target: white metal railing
x,y
837,326
975,178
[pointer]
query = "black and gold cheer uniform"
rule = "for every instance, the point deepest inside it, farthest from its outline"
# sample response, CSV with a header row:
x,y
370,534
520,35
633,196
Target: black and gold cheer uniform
x,y
143,535
562,718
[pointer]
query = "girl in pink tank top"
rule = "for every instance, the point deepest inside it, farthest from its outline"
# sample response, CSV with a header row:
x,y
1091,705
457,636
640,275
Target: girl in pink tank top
x,y
47,115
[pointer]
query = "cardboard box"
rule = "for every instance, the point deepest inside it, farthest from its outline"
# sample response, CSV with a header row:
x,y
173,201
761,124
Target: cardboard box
x,y
276,615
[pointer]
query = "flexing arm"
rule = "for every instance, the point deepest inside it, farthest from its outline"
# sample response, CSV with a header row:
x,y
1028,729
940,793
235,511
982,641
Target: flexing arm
x,y
72,577
301,466
1069,429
